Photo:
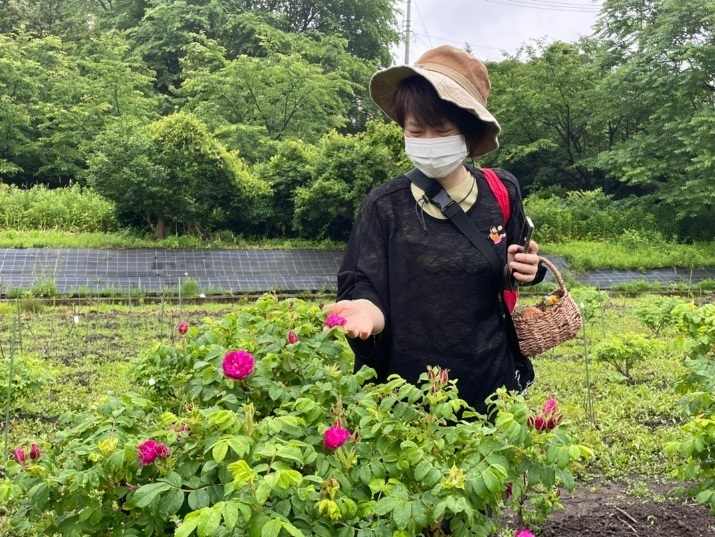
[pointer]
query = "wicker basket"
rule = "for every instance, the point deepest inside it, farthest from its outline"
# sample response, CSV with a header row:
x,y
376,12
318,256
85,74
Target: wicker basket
x,y
552,321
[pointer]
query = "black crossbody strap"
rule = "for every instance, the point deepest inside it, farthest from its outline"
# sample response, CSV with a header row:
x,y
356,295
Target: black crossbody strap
x,y
452,210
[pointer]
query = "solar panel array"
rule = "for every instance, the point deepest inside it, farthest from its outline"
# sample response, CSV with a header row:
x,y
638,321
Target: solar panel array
x,y
237,271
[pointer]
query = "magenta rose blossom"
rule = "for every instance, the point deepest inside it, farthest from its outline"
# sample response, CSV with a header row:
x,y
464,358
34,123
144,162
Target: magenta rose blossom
x,y
292,338
524,533
238,365
149,451
20,455
540,423
183,327
335,437
335,320
35,452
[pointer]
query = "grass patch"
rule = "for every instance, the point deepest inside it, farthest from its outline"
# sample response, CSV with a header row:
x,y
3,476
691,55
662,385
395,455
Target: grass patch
x,y
224,240
585,255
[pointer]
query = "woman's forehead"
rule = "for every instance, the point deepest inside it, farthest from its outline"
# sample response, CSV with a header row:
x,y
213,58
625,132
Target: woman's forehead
x,y
436,122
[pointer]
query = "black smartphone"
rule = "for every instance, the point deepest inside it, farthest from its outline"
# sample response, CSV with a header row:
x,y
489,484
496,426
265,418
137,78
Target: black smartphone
x,y
527,231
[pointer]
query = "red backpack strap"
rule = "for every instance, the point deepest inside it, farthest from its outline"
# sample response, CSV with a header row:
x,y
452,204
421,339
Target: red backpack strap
x,y
500,192
502,195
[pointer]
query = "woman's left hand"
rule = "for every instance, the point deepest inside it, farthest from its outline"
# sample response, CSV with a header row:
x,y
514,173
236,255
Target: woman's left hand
x,y
524,266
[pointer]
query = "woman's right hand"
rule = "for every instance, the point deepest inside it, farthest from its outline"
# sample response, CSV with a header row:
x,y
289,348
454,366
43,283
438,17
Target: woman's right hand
x,y
363,318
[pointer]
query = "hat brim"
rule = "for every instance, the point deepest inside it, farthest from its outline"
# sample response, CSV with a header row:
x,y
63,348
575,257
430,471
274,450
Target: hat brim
x,y
383,86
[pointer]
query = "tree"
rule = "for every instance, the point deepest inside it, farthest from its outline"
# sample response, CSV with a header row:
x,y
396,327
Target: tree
x,y
369,26
105,81
346,169
551,122
250,100
663,54
174,172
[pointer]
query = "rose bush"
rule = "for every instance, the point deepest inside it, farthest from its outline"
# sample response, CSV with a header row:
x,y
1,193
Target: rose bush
x,y
301,446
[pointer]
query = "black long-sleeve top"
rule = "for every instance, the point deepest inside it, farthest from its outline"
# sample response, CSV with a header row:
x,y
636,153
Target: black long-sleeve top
x,y
438,293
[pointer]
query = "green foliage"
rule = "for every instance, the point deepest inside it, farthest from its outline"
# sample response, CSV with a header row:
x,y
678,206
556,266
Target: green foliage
x,y
248,456
660,56
589,215
28,376
622,352
68,209
638,256
174,171
656,312
697,338
346,169
189,288
286,171
553,86
251,101
590,300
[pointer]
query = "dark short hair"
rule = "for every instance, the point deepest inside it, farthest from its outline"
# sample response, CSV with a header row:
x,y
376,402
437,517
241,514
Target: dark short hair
x,y
416,97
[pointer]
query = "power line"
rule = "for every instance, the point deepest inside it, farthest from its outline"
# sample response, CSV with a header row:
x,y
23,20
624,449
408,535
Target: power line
x,y
465,42
558,3
423,23
544,7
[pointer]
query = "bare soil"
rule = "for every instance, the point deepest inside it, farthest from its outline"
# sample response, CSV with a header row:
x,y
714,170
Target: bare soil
x,y
607,510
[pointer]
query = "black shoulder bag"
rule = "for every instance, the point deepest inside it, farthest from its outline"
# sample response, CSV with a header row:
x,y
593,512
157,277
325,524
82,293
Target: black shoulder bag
x,y
452,210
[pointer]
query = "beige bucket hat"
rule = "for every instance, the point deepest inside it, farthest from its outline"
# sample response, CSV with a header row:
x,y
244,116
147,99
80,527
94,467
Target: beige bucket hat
x,y
457,76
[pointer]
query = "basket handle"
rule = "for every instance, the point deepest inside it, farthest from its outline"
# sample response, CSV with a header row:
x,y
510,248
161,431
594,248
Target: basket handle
x,y
557,274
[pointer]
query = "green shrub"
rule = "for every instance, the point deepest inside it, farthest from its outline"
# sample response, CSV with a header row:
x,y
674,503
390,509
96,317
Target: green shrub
x,y
590,215
695,450
622,352
590,300
253,457
28,376
655,312
189,288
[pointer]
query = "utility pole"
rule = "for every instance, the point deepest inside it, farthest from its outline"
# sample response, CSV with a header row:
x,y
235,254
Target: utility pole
x,y
407,34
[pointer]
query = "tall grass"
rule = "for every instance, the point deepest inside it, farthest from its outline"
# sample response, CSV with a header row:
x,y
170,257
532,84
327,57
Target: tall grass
x,y
71,209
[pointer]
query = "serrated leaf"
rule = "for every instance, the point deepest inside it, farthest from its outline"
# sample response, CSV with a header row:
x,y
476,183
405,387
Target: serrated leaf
x,y
148,493
401,514
384,506
422,469
188,525
198,499
171,502
290,528
272,528
209,521
229,512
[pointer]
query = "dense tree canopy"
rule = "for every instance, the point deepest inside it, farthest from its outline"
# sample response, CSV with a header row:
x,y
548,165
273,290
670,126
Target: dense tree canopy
x,y
279,88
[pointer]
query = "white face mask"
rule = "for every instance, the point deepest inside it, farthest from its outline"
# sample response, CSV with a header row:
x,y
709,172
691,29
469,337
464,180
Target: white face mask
x,y
436,157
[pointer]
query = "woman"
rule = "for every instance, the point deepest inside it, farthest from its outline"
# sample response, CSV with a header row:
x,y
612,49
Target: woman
x,y
413,290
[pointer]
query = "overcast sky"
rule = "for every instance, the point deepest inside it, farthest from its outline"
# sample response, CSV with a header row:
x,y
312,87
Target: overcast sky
x,y
490,26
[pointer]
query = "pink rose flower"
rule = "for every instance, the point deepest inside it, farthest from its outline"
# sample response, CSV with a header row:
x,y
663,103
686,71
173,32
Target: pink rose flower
x,y
524,533
335,320
550,407
335,437
183,327
149,451
20,455
292,338
35,452
238,365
